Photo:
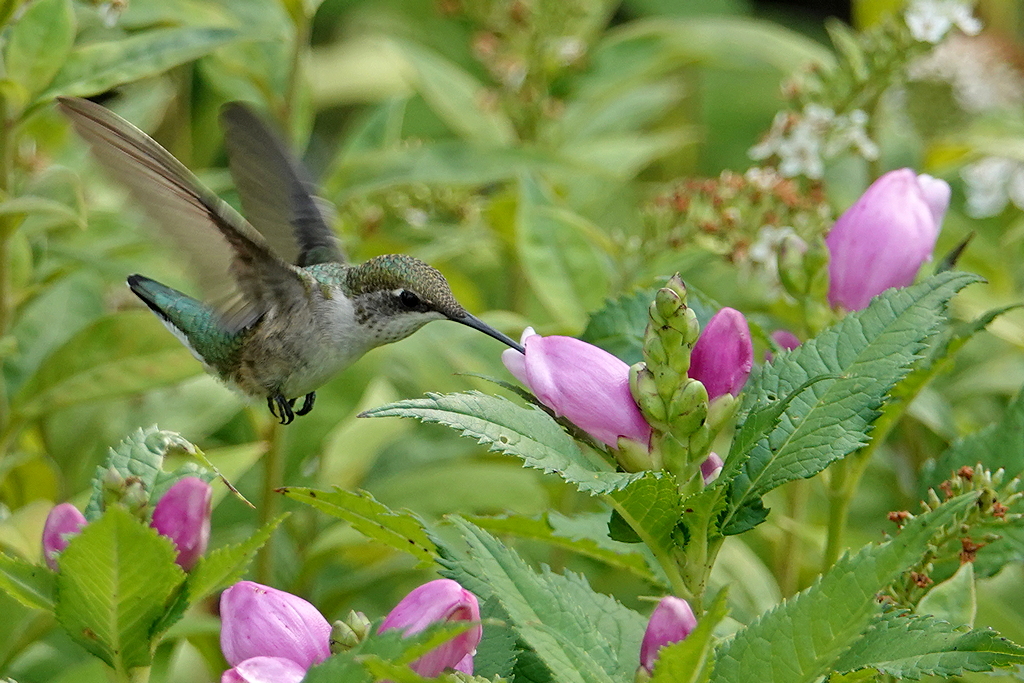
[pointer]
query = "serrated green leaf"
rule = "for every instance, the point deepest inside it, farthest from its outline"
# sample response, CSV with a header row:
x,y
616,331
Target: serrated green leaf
x,y
580,635
141,455
97,67
619,326
29,584
692,659
869,351
39,42
117,355
457,97
905,645
652,507
542,530
116,579
803,637
564,267
497,653
527,433
402,531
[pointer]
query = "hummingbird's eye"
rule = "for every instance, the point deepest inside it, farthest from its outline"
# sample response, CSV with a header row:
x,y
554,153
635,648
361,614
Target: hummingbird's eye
x,y
408,299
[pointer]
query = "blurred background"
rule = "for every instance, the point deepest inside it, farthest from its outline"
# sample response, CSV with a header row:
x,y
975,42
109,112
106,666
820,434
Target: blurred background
x,y
546,156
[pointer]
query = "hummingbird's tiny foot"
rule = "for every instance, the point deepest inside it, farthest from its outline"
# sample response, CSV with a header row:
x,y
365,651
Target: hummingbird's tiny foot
x,y
307,403
283,408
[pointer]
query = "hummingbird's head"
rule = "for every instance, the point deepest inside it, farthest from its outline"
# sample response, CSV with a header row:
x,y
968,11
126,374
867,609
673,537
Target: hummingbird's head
x,y
395,295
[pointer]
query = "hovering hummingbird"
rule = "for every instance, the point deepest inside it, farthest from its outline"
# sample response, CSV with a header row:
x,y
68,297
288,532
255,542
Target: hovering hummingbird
x,y
297,313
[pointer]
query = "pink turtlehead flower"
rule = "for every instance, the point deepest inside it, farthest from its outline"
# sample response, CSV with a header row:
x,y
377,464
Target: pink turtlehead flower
x,y
63,522
183,515
671,621
581,382
440,600
264,670
884,238
262,622
723,355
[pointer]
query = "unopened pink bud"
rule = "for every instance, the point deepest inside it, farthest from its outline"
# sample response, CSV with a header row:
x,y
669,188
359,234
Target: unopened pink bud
x,y
183,515
260,621
884,238
723,355
435,601
581,382
711,468
63,522
671,621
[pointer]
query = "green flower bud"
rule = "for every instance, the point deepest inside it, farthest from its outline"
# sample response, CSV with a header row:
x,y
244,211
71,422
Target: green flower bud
x,y
688,408
633,456
645,392
721,411
346,634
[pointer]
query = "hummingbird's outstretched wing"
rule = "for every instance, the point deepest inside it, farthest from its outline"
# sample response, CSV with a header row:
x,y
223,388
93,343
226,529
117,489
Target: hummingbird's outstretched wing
x,y
276,191
214,234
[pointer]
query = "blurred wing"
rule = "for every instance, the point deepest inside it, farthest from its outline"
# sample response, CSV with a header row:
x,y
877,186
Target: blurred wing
x,y
217,238
276,191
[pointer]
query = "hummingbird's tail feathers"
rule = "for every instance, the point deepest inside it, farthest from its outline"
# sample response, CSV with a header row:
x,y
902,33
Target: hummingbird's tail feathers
x,y
195,324
189,212
277,192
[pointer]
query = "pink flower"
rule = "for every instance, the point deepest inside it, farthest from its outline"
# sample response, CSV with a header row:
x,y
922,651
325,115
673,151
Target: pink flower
x,y
671,621
581,382
884,238
263,622
723,355
63,522
440,600
264,670
183,515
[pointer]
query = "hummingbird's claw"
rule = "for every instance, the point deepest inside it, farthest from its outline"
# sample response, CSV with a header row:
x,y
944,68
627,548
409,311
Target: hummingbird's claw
x,y
280,407
307,403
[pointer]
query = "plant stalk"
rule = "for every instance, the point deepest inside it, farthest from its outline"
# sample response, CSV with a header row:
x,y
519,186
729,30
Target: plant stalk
x,y
273,479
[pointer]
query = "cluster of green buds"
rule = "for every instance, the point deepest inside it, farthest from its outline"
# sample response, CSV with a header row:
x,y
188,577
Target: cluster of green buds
x,y
687,383
961,540
348,632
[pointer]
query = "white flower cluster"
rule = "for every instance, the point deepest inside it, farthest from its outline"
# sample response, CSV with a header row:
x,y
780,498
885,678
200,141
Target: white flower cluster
x,y
979,69
991,184
930,20
803,141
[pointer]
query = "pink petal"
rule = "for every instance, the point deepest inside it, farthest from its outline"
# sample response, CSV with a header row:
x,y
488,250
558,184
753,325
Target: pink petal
x,y
265,670
723,355
63,522
260,621
183,515
671,621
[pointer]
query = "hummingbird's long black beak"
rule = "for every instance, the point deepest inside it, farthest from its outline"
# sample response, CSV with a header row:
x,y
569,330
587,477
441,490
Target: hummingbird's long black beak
x,y
478,324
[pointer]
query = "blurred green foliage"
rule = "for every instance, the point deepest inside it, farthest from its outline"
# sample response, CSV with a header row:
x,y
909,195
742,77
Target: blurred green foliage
x,y
518,146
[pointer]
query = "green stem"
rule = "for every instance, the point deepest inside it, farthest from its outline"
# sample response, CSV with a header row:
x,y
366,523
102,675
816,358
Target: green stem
x,y
7,228
273,479
841,489
302,27
792,554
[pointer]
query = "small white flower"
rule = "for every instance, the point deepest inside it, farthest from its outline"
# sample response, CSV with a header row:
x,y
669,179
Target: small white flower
x,y
416,217
770,144
930,20
989,182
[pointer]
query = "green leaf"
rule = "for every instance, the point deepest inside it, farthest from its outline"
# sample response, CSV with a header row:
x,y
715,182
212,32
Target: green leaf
x,y
39,43
619,326
116,580
801,639
622,557
115,356
905,645
692,659
869,351
97,67
955,600
999,445
579,635
497,654
29,584
527,433
402,531
224,566
652,507
566,271
457,97
141,455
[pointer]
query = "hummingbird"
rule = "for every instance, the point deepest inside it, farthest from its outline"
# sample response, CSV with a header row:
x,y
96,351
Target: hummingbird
x,y
292,312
